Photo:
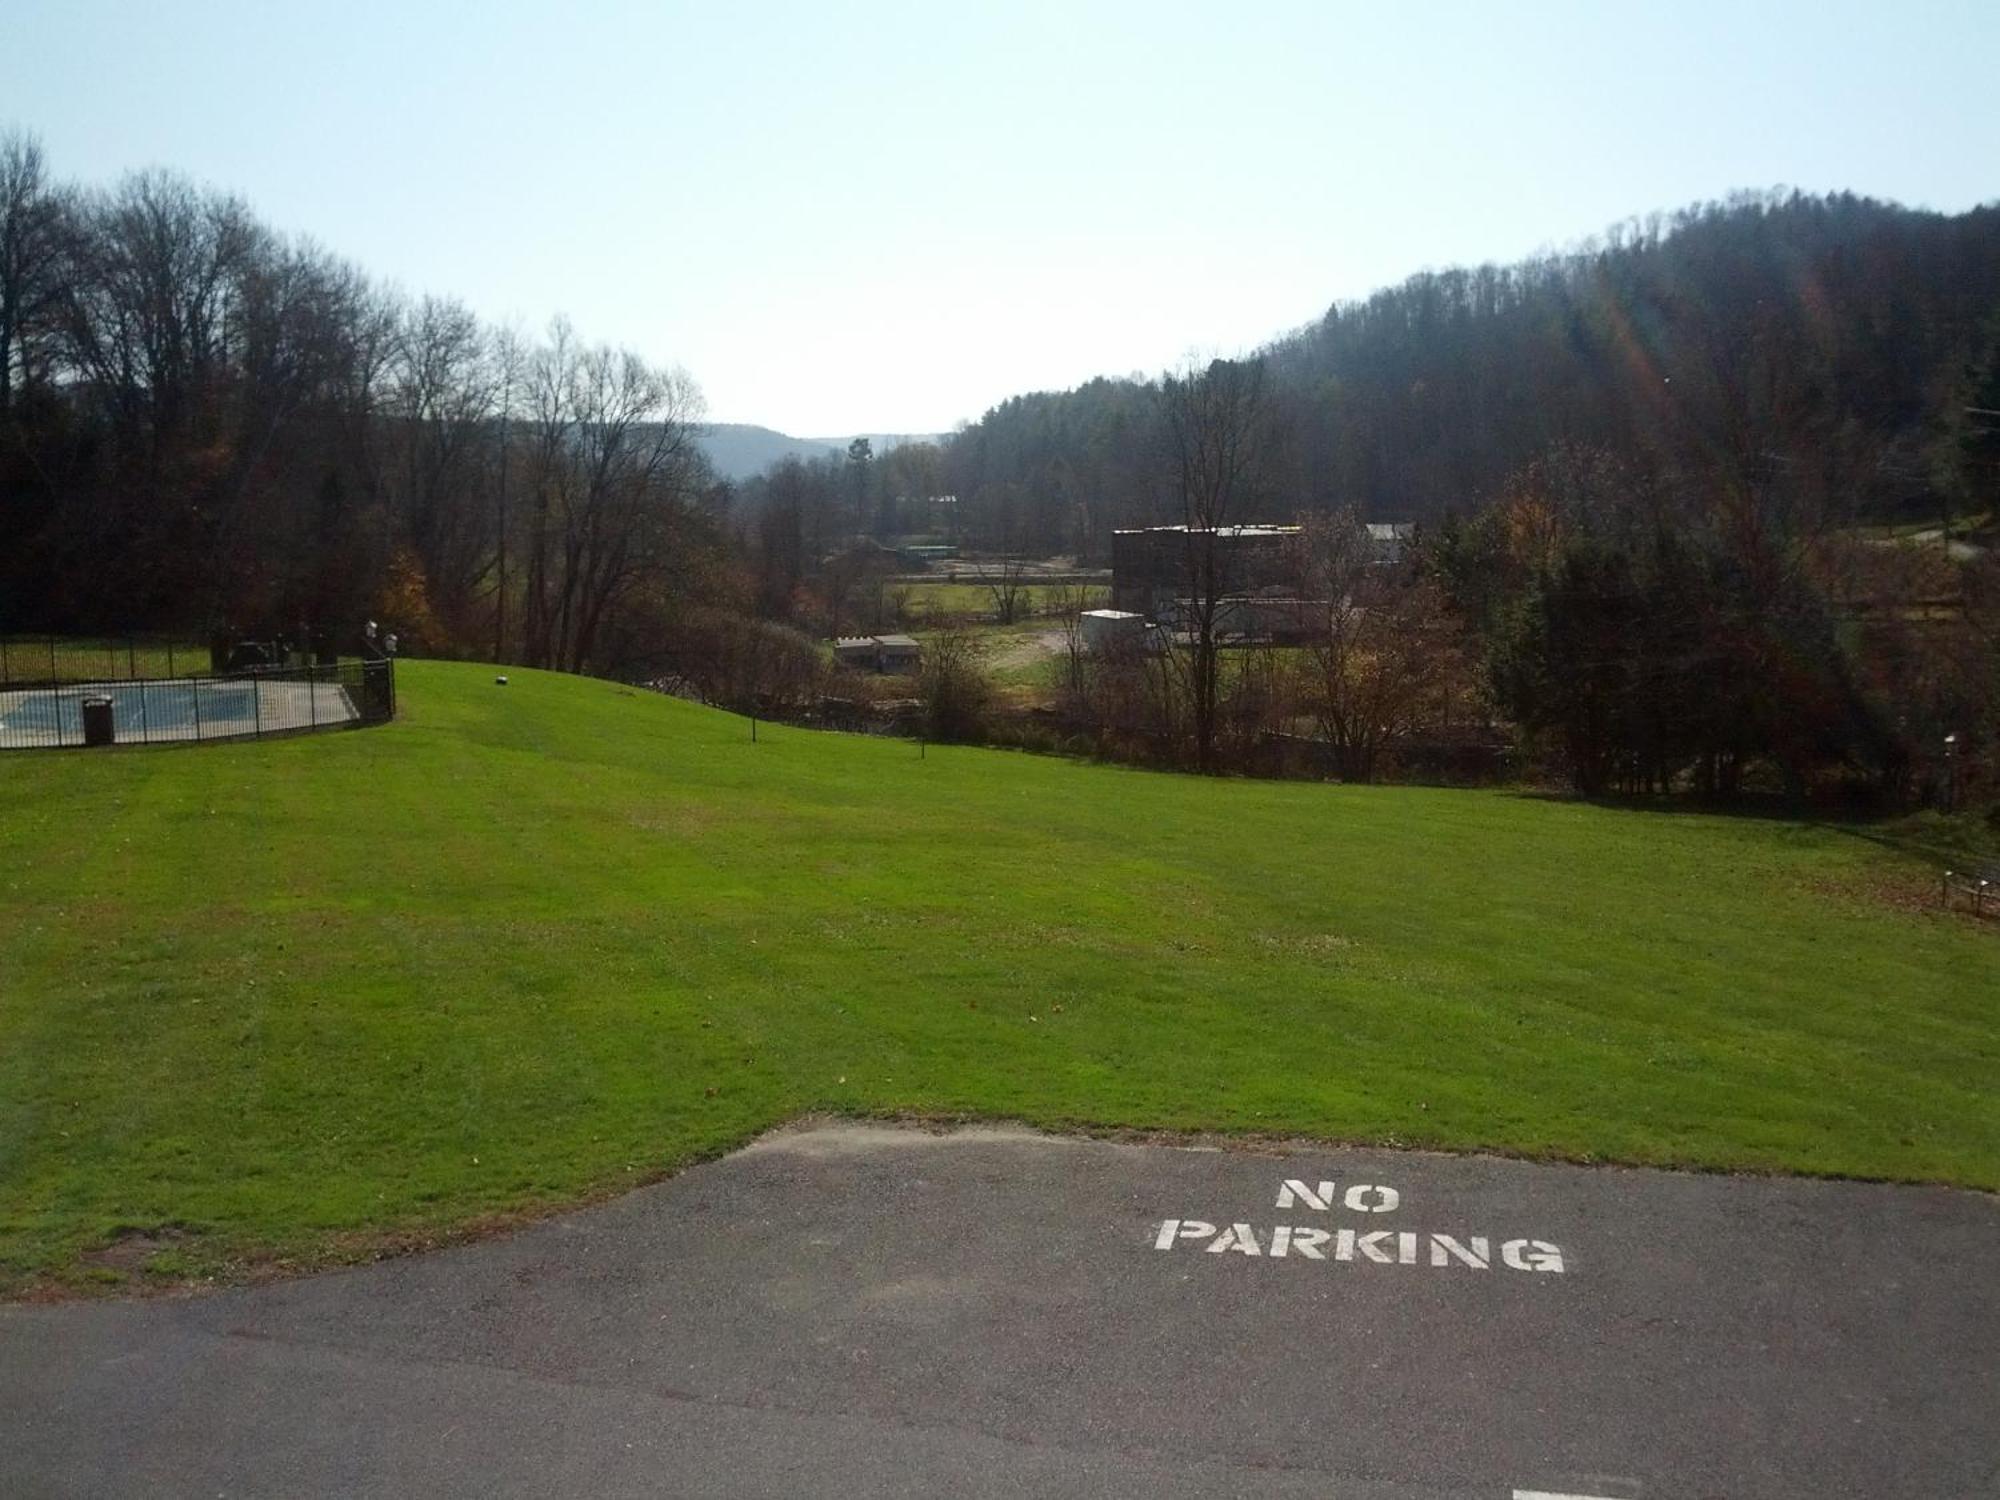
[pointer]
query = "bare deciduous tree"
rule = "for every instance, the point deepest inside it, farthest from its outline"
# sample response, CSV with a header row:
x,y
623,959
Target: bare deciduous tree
x,y
613,464
1007,582
1066,602
1380,642
32,237
443,392
1220,435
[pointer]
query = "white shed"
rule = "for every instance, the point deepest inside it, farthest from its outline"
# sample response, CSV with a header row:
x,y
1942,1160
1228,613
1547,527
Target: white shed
x,y
1113,630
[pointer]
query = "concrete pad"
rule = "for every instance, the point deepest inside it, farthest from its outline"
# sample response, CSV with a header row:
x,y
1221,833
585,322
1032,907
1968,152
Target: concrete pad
x,y
868,1310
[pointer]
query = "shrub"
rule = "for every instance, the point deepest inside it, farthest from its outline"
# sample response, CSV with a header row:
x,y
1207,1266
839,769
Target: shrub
x,y
954,690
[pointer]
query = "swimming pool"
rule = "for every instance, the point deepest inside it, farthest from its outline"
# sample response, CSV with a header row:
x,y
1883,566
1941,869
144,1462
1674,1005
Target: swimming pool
x,y
180,709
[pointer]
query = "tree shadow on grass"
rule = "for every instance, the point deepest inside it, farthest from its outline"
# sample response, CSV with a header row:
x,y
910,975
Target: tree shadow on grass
x,y
1960,840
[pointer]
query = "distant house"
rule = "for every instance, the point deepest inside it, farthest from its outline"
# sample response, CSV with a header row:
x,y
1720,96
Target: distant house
x,y
878,653
899,653
1388,539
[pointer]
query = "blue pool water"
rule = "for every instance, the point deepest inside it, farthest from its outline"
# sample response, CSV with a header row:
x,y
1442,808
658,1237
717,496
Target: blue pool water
x,y
136,707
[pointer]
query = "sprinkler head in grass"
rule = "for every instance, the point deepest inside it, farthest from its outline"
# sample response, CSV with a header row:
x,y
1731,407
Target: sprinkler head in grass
x,y
500,681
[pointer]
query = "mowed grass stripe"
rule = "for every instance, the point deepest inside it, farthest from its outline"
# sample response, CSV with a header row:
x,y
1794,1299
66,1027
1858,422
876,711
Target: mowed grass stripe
x,y
536,942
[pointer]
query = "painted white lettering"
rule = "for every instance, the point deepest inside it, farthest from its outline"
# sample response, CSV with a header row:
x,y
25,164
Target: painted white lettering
x,y
1532,1255
1181,1229
1479,1256
1383,1247
1369,1198
1371,1245
1307,1242
1238,1237
1296,1193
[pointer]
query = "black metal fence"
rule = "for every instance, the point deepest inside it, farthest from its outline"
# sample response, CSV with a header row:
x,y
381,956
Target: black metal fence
x,y
50,661
58,711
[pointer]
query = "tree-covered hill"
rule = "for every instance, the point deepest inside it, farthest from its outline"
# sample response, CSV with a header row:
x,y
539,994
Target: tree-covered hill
x,y
1825,338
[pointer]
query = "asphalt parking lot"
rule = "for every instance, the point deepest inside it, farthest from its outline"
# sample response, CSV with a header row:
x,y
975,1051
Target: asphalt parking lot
x,y
857,1310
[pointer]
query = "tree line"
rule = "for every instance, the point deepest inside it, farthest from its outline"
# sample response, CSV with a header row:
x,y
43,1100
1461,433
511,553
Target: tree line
x,y
205,424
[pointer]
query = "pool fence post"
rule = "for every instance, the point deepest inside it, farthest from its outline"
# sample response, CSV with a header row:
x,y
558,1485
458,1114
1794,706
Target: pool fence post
x,y
256,705
312,693
194,697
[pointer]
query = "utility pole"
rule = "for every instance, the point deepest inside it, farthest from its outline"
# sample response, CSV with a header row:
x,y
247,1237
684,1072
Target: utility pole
x,y
506,410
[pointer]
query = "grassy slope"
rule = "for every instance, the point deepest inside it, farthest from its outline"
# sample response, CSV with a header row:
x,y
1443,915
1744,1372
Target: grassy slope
x,y
537,941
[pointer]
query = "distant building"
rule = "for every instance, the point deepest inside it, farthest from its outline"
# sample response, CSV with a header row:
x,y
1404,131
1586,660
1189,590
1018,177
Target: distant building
x,y
878,653
1389,539
1150,567
899,653
1106,631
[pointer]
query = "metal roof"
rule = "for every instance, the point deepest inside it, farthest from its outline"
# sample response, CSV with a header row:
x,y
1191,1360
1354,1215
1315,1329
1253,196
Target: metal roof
x,y
1259,530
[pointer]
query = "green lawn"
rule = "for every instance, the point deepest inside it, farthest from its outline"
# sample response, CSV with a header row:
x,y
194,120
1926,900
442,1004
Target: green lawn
x,y
302,998
27,659
975,600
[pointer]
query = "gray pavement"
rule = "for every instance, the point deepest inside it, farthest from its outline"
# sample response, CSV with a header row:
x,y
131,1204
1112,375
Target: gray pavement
x,y
850,1310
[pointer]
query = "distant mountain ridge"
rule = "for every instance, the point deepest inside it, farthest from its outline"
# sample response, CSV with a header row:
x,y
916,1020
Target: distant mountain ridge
x,y
742,450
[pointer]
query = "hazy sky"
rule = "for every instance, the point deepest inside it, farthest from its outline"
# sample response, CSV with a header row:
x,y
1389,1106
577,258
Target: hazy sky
x,y
842,217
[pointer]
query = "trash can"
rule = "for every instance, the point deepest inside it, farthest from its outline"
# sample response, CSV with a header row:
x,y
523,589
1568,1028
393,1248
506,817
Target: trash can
x,y
98,726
